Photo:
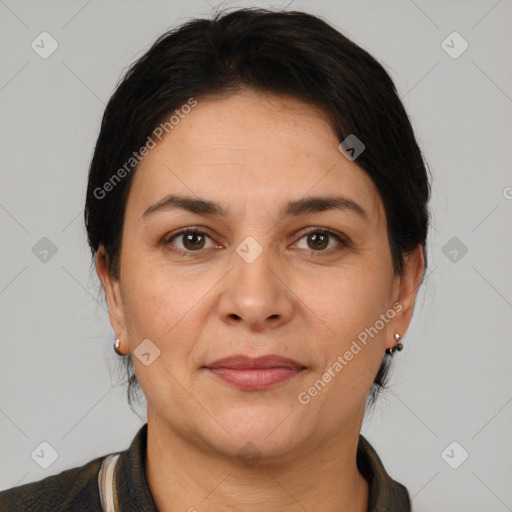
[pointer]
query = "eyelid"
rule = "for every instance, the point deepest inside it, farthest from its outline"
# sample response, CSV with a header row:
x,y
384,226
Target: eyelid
x,y
202,230
343,240
184,231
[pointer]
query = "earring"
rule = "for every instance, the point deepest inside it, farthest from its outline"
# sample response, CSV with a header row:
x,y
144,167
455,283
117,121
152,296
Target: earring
x,y
398,345
117,347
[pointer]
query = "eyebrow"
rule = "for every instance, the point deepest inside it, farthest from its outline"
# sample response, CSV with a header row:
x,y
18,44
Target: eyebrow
x,y
311,204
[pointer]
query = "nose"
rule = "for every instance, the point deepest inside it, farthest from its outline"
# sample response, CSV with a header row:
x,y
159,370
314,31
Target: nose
x,y
256,293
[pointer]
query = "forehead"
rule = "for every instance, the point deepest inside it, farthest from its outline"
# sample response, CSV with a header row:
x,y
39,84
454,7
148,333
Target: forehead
x,y
251,149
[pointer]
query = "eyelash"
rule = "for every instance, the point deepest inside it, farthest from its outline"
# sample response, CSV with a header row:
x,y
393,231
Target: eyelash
x,y
343,241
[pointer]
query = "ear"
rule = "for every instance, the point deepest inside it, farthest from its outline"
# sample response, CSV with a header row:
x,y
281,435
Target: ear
x,y
111,286
406,290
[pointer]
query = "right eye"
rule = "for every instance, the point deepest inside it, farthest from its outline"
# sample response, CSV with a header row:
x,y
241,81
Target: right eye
x,y
189,240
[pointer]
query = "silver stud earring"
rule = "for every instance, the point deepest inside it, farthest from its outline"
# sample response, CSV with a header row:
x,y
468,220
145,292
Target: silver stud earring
x,y
398,345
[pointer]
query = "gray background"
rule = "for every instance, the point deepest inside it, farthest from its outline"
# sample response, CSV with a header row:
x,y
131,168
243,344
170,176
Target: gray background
x,y
452,382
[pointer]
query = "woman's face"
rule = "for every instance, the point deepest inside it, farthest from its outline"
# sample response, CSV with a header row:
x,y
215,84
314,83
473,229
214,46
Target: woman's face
x,y
268,272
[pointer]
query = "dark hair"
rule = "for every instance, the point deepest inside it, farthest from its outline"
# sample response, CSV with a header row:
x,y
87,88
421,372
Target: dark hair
x,y
283,52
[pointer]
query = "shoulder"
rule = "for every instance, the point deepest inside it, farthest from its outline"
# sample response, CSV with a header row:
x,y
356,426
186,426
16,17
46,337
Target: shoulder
x,y
73,490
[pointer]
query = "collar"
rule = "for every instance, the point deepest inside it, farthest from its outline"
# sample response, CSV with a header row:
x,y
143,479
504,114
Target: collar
x,y
133,493
386,495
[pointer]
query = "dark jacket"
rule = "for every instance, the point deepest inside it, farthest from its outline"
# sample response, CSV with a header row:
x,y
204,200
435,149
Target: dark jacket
x,y
76,490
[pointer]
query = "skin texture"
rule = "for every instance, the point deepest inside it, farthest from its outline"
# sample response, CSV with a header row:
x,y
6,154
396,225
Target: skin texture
x,y
253,152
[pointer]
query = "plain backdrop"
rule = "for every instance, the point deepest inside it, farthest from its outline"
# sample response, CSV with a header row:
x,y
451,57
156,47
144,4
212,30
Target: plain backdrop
x,y
451,388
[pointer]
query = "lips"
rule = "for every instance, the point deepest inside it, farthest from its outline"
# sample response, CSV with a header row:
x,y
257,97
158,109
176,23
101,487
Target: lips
x,y
254,374
241,362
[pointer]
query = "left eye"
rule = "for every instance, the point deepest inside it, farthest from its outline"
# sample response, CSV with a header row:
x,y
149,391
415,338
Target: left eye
x,y
319,240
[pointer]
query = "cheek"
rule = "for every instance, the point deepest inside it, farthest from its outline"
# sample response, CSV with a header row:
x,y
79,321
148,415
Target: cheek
x,y
163,304
158,309
153,300
355,299
352,348
354,306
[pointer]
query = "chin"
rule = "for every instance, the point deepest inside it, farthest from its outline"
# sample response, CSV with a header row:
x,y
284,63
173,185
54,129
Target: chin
x,y
259,432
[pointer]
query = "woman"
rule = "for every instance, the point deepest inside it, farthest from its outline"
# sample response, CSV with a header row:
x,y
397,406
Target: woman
x,y
257,211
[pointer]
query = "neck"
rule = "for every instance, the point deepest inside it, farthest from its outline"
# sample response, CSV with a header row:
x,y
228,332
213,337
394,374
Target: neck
x,y
185,476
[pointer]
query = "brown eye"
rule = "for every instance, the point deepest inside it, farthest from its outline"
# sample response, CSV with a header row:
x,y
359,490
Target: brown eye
x,y
323,240
193,241
318,241
190,240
